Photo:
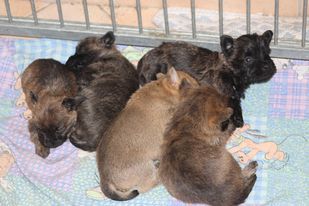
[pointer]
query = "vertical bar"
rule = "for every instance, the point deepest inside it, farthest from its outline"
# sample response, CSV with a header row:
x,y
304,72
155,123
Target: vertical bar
x,y
8,10
276,29
220,17
35,17
248,18
86,12
113,17
60,14
193,19
139,16
167,29
304,26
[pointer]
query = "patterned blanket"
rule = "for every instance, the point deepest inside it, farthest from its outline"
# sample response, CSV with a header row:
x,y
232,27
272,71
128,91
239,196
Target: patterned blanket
x,y
276,135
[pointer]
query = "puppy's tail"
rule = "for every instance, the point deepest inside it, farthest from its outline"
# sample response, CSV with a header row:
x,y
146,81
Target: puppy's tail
x,y
111,192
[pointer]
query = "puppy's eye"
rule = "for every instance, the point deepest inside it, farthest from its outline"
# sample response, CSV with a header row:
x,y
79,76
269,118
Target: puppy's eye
x,y
248,59
34,98
224,125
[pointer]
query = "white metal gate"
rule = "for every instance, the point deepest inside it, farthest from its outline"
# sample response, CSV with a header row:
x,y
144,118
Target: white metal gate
x,y
140,36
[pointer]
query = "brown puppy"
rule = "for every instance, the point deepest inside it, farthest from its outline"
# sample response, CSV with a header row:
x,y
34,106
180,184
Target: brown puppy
x,y
195,166
128,154
46,83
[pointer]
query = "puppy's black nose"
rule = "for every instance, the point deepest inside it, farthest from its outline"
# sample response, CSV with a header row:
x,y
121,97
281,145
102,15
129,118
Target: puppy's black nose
x,y
51,138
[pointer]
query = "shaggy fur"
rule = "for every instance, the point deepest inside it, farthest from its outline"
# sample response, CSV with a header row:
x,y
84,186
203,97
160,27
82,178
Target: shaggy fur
x,y
46,84
242,62
195,166
106,80
129,152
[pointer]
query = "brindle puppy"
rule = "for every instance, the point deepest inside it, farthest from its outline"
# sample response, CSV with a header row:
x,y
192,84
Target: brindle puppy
x,y
128,154
106,81
46,83
242,62
195,166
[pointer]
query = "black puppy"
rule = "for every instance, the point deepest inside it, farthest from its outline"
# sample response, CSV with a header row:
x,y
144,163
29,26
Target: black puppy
x,y
242,62
106,80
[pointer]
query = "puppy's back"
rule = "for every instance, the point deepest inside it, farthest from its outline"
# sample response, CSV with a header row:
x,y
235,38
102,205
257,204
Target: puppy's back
x,y
127,152
180,55
195,166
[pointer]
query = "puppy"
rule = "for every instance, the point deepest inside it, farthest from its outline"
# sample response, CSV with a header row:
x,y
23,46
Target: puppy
x,y
195,166
46,84
128,154
106,80
242,62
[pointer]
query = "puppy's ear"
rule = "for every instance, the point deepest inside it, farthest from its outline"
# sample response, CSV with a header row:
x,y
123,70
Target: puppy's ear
x,y
227,45
173,77
75,62
108,39
34,97
72,103
159,75
267,36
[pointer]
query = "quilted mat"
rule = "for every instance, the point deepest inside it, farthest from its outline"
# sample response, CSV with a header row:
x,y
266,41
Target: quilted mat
x,y
275,134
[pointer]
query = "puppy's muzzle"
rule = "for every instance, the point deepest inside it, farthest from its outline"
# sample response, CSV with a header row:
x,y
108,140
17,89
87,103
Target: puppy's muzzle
x,y
51,138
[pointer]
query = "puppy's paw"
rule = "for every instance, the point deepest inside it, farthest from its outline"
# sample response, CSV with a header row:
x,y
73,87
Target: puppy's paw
x,y
237,120
27,114
252,165
250,169
42,152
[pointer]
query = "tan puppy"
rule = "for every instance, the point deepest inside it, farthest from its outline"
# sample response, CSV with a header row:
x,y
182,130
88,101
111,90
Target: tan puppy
x,y
128,154
47,84
195,166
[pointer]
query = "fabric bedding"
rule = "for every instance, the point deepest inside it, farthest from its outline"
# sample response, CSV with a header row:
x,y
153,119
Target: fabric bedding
x,y
276,135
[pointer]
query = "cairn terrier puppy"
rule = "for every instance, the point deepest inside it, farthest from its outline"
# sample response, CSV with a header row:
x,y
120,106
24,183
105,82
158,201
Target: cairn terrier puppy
x,y
129,152
242,62
195,166
46,84
106,80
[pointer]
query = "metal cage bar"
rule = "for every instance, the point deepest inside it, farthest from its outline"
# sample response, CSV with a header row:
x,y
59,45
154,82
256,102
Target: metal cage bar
x,y
8,10
193,21
165,12
60,14
139,16
220,17
140,36
86,13
276,23
248,16
113,16
34,15
304,25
